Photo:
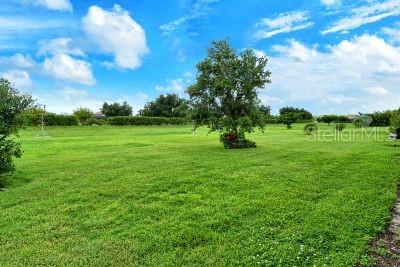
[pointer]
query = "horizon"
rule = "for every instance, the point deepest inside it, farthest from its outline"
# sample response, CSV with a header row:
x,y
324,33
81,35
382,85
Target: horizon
x,y
327,56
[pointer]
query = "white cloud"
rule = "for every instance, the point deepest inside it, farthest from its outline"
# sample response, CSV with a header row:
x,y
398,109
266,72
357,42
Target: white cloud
x,y
177,86
70,93
372,12
376,90
358,75
59,5
116,33
330,2
18,60
24,24
198,10
62,65
59,46
283,23
65,67
393,34
20,78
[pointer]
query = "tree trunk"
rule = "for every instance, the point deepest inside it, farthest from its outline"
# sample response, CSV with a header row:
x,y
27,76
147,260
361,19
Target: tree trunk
x,y
398,133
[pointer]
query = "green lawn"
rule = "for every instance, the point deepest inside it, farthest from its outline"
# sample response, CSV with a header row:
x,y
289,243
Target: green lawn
x,y
164,196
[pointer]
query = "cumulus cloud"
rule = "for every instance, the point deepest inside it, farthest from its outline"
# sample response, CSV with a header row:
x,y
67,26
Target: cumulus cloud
x,y
61,63
20,78
116,33
372,12
283,23
18,60
177,86
361,74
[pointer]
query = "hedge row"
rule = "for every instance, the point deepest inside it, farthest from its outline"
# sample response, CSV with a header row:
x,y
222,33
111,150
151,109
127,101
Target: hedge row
x,y
137,120
50,120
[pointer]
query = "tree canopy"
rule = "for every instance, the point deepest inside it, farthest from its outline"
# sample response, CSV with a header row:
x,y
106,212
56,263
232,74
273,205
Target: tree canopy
x,y
116,109
169,105
300,113
225,95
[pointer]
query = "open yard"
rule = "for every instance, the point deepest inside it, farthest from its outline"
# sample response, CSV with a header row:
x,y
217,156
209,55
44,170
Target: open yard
x,y
165,196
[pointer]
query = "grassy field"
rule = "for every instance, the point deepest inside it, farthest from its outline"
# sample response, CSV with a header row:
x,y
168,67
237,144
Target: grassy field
x,y
165,196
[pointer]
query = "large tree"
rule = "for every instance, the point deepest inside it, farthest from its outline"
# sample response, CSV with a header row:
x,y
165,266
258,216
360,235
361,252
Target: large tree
x,y
12,104
116,109
300,113
225,96
170,105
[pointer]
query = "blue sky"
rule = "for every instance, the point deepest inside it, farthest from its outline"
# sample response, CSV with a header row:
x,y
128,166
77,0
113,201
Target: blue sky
x,y
329,56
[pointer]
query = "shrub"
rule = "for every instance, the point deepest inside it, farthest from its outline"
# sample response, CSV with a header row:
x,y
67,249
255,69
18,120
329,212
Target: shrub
x,y
334,118
310,128
236,141
340,127
12,104
96,121
362,120
83,115
288,119
382,119
395,124
50,119
138,120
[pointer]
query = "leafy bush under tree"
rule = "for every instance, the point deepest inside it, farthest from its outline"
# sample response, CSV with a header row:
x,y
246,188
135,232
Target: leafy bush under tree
x,y
12,104
225,95
340,127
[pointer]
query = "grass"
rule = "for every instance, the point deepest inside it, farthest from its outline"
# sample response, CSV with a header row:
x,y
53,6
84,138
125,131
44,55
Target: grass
x,y
164,196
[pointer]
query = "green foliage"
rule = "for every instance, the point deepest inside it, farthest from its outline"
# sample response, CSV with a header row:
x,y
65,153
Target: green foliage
x,y
362,120
12,104
225,95
381,119
236,141
138,120
395,123
51,119
169,106
301,114
34,110
266,110
116,109
340,127
310,128
83,115
288,119
333,118
96,121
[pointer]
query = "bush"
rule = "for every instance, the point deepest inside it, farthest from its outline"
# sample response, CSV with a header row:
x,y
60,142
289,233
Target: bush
x,y
138,120
382,119
334,118
50,119
340,127
310,128
96,121
362,120
83,115
288,119
12,104
236,141
395,124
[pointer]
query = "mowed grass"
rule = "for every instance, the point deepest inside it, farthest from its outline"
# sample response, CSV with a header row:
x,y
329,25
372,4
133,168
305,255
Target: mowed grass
x,y
164,196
